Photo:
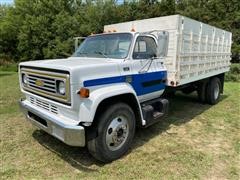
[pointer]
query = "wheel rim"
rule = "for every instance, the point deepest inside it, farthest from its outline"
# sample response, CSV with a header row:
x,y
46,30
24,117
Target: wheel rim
x,y
117,133
216,91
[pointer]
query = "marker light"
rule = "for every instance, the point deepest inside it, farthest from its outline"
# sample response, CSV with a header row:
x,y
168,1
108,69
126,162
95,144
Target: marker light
x,y
84,92
172,83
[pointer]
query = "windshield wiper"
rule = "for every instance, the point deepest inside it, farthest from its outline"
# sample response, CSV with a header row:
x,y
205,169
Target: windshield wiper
x,y
99,52
80,53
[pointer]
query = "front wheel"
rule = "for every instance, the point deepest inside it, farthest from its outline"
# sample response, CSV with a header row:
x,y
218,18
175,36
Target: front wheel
x,y
115,132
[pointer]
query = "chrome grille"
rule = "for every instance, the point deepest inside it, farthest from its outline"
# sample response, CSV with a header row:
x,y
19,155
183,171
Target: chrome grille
x,y
44,83
44,105
49,84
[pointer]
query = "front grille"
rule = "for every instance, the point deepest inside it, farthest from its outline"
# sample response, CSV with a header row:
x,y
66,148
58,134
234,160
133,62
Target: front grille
x,y
44,83
44,105
49,84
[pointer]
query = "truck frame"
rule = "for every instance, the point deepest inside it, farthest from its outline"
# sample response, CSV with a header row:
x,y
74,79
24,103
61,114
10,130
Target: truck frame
x,y
118,80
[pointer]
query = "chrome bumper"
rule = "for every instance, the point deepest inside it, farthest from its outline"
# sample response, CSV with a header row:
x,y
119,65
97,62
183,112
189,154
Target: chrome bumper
x,y
71,135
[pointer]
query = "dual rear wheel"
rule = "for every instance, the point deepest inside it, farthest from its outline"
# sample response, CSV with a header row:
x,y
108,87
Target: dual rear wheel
x,y
209,92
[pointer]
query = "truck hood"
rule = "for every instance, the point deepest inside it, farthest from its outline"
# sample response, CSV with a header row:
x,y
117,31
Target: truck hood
x,y
80,68
66,64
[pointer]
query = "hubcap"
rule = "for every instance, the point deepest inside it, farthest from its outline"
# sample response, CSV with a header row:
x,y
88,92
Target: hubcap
x,y
117,133
216,91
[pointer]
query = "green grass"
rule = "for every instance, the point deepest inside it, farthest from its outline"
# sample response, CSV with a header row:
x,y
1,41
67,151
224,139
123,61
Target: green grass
x,y
196,141
12,67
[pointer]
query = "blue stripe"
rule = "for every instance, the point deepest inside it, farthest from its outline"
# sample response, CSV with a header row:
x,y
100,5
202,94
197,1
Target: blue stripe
x,y
102,81
137,80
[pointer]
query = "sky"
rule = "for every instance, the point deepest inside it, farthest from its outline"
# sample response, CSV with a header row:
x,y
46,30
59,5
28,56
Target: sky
x,y
6,1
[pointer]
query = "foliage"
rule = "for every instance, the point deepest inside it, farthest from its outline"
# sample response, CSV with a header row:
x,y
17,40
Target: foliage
x,y
8,33
234,73
43,29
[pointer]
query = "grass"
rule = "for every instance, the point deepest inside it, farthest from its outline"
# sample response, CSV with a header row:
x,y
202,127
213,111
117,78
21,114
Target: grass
x,y
8,65
196,141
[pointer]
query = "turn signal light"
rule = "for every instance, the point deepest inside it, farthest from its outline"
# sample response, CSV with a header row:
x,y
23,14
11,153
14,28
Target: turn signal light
x,y
84,93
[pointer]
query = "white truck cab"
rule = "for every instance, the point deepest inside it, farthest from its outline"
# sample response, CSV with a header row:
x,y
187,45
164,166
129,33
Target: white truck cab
x,y
115,81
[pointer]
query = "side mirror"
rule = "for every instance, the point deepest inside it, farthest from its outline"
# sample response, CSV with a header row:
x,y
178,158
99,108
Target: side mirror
x,y
162,48
76,43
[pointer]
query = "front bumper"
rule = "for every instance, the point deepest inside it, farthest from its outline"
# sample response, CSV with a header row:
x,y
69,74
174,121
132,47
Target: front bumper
x,y
73,135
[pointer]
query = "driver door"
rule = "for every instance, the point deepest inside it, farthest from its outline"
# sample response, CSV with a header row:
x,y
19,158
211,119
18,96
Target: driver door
x,y
148,77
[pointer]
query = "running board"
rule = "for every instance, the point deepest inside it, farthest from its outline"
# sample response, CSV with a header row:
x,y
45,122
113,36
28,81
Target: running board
x,y
154,110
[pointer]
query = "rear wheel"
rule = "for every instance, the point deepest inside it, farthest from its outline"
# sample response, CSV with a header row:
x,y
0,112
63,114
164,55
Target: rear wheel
x,y
188,90
213,91
115,132
201,91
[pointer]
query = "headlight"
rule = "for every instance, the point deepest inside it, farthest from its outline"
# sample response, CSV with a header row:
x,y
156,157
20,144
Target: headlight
x,y
61,87
24,78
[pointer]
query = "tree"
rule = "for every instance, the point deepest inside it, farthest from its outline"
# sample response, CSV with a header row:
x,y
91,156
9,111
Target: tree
x,y
8,33
40,29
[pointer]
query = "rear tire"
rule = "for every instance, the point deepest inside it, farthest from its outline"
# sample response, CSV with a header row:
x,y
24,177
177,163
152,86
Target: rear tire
x,y
188,90
213,91
201,91
115,131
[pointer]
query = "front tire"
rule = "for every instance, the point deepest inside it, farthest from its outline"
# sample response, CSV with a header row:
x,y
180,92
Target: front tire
x,y
115,131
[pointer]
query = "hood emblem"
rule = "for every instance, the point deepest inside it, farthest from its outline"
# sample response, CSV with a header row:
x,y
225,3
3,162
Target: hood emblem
x,y
39,82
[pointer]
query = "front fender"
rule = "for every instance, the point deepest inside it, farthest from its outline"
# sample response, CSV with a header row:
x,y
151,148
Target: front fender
x,y
89,105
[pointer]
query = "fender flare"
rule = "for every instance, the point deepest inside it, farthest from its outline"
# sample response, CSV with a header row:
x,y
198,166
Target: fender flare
x,y
88,106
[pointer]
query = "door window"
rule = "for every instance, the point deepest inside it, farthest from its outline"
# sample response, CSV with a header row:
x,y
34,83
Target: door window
x,y
145,48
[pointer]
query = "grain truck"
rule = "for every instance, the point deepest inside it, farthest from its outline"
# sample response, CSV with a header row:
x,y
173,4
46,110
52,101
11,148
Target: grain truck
x,y
117,81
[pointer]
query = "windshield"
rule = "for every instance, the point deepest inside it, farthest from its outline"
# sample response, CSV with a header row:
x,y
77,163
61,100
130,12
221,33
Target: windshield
x,y
105,46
